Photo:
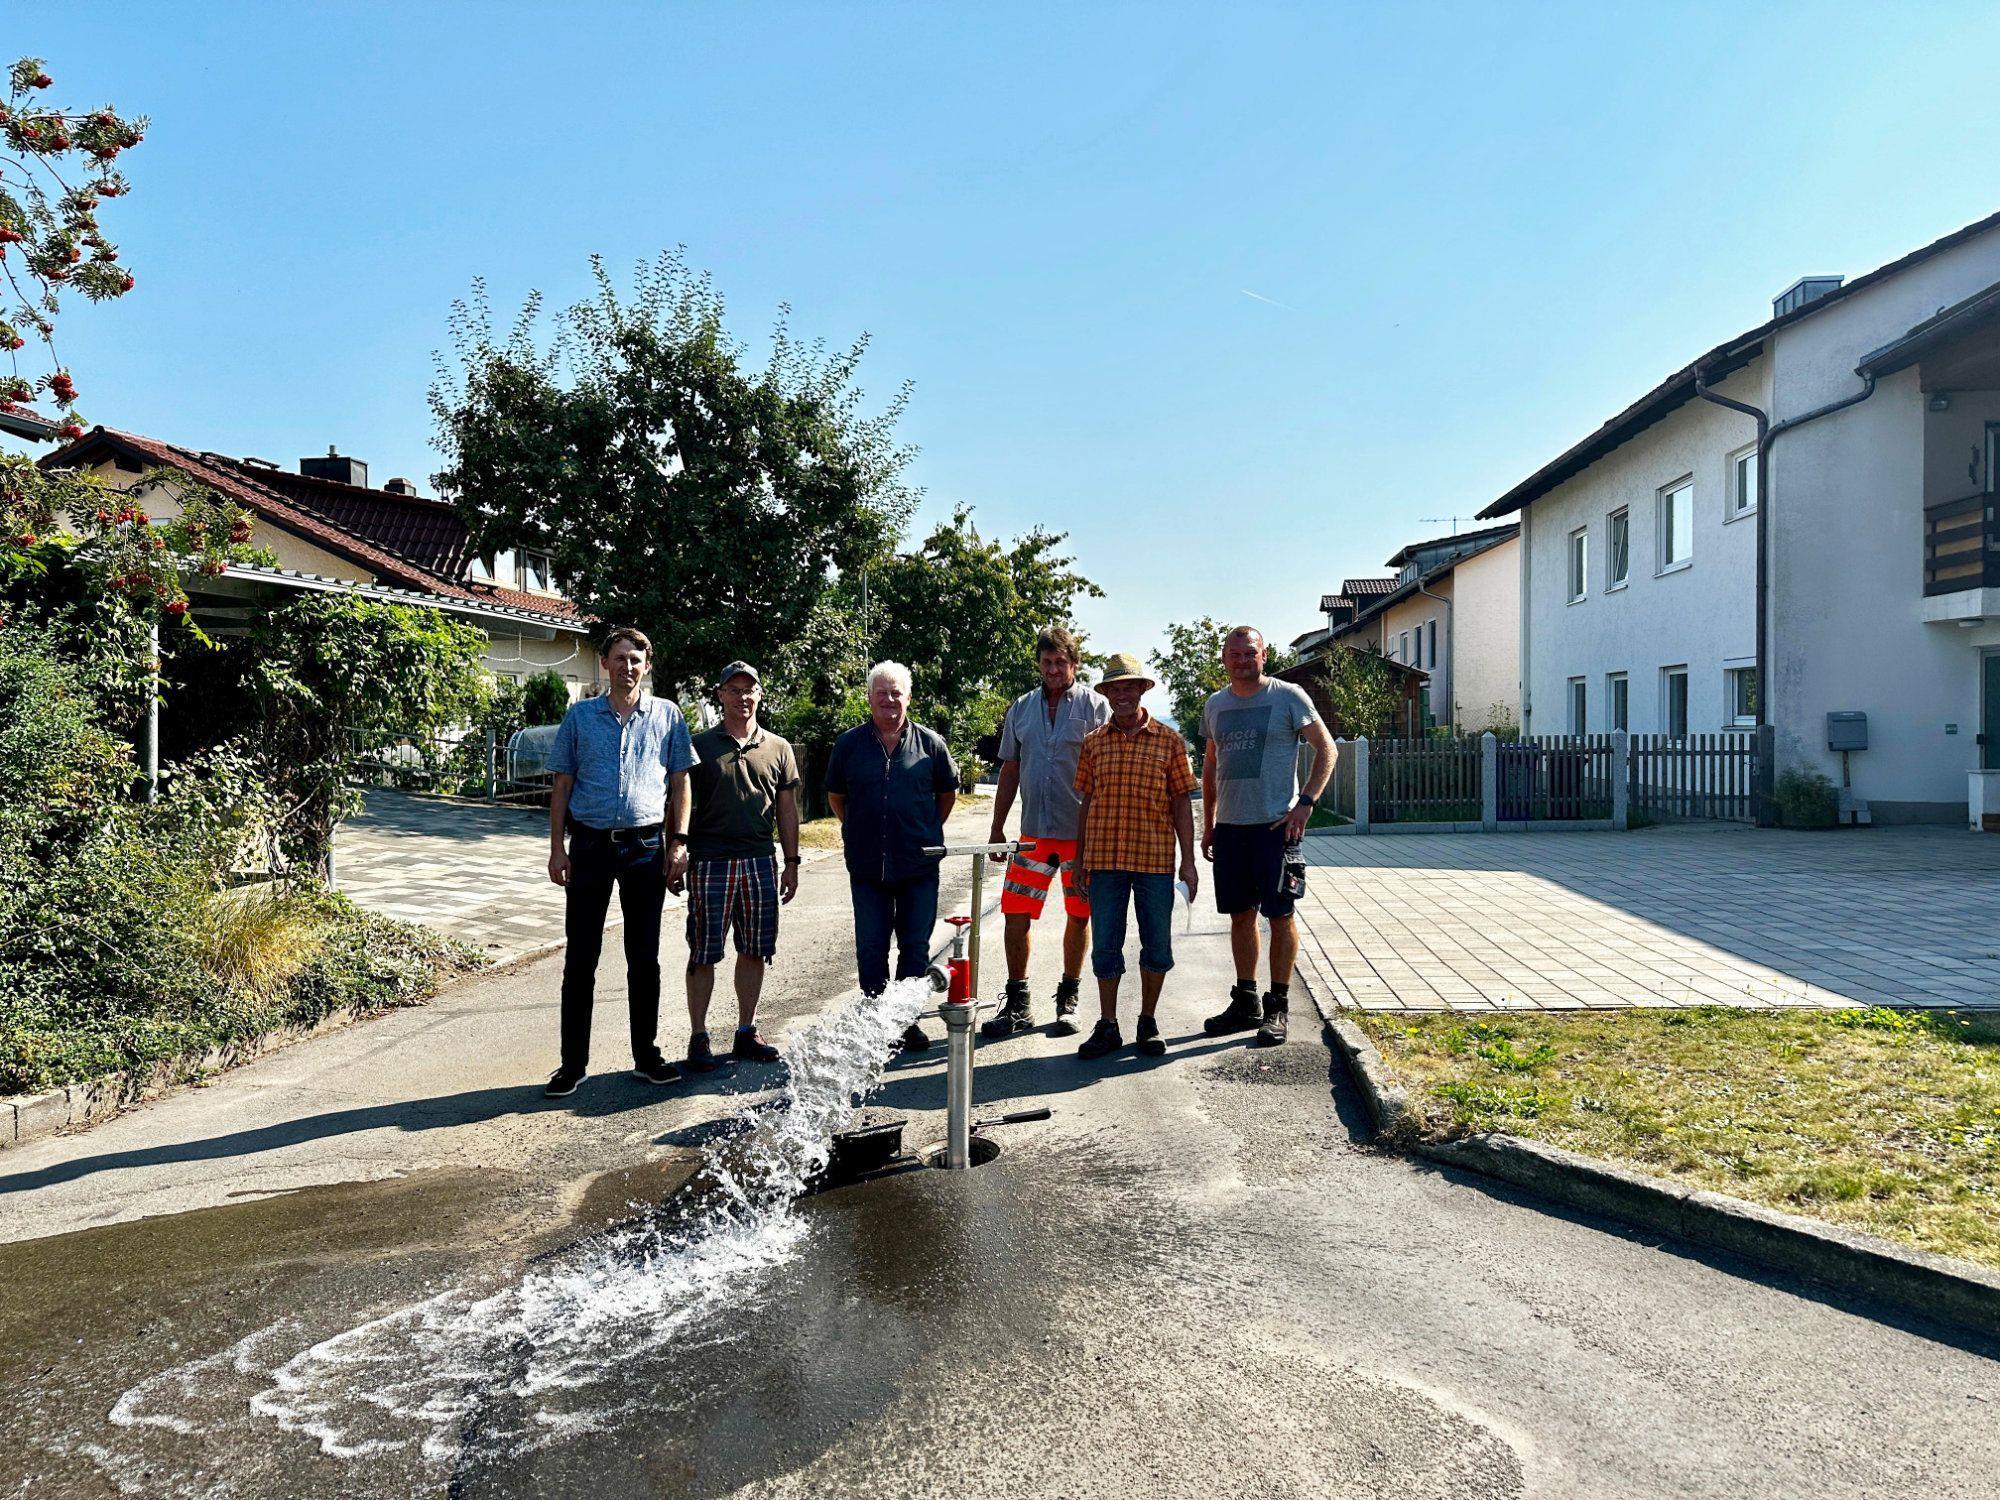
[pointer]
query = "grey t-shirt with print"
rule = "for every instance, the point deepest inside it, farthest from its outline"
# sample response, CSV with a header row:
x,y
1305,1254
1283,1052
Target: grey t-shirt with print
x,y
1256,743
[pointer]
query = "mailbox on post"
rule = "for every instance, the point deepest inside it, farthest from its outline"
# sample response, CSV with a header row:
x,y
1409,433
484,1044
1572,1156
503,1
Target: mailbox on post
x,y
1847,730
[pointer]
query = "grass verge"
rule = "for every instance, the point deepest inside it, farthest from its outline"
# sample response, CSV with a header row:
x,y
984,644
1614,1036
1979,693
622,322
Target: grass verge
x,y
257,962
1882,1120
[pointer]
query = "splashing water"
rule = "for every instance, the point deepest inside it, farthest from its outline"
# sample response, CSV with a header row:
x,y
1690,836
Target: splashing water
x,y
514,1370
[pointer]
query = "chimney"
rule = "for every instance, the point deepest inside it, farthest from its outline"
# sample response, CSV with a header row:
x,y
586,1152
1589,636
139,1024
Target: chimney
x,y
333,466
1806,289
400,486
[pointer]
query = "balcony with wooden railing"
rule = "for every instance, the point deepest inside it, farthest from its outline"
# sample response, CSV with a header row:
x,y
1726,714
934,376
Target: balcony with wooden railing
x,y
1961,545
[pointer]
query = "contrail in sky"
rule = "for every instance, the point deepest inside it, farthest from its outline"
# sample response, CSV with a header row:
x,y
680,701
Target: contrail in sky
x,y
1260,297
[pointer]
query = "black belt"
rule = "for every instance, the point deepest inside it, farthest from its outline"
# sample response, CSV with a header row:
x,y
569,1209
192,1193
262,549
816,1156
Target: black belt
x,y
618,835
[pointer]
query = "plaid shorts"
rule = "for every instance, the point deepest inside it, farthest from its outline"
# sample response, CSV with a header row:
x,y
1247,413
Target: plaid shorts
x,y
732,895
1031,872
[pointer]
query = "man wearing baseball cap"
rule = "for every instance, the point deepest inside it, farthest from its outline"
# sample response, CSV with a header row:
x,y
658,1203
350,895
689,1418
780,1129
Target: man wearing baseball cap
x,y
745,786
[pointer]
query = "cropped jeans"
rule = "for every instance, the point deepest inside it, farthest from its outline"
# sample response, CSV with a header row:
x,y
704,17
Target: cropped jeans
x,y
1152,896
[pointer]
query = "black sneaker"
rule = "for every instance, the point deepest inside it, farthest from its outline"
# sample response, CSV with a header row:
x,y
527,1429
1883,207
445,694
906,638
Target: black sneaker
x,y
1065,1022
1105,1039
1277,1017
701,1056
1148,1039
750,1047
1012,1016
1244,1012
562,1083
914,1039
659,1070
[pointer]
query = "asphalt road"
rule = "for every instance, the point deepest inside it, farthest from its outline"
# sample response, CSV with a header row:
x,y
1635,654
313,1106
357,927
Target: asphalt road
x,y
1194,1279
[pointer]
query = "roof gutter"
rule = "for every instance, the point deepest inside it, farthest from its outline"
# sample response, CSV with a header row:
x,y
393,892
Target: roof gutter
x,y
1768,433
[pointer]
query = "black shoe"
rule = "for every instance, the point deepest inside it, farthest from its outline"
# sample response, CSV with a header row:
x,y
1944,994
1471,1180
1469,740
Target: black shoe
x,y
1065,1022
750,1047
1244,1012
914,1039
1277,1017
701,1057
1148,1039
1012,1016
562,1083
659,1070
1105,1039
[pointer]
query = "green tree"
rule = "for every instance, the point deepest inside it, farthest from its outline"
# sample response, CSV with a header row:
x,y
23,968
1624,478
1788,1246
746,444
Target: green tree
x,y
330,673
544,699
963,613
711,504
1190,669
1361,691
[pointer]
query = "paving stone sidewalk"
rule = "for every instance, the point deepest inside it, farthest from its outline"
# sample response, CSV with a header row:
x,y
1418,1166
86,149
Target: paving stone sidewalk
x,y
1664,917
476,871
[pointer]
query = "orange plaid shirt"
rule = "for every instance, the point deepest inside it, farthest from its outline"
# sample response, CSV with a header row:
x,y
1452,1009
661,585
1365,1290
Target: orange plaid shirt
x,y
1132,781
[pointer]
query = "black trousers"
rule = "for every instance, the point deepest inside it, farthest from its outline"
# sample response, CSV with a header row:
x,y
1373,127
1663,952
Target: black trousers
x,y
638,868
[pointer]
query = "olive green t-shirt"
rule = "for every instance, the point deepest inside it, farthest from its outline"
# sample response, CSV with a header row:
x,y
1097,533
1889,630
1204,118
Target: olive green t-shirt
x,y
735,789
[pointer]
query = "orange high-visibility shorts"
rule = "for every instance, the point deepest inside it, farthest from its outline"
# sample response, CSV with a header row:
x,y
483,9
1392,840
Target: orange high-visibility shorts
x,y
1030,872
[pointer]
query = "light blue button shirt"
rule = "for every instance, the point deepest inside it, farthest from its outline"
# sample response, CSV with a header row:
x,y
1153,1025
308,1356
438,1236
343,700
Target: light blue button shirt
x,y
621,770
1047,749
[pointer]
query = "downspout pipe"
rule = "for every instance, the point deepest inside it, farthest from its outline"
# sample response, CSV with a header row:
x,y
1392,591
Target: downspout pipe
x,y
1450,650
1768,433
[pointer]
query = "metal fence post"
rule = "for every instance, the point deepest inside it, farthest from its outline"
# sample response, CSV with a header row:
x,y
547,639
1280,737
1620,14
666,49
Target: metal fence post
x,y
1489,782
1621,780
492,778
1361,784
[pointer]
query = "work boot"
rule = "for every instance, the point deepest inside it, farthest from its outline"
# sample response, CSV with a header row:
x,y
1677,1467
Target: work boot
x,y
1148,1039
701,1057
914,1039
1243,1013
1065,1022
1012,1016
1277,1017
1105,1039
751,1047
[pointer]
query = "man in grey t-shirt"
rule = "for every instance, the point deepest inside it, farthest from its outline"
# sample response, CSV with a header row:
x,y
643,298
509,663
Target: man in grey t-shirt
x,y
1251,809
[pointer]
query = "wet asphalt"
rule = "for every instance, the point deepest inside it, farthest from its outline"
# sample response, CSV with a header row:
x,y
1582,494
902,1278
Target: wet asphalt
x,y
1197,1278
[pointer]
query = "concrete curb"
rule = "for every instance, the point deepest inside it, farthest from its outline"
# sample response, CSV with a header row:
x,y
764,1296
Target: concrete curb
x,y
1916,1281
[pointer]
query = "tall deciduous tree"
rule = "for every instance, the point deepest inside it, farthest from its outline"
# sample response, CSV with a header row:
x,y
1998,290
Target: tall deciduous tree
x,y
963,612
712,504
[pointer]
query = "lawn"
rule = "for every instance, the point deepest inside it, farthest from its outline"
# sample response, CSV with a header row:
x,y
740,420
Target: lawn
x,y
1882,1120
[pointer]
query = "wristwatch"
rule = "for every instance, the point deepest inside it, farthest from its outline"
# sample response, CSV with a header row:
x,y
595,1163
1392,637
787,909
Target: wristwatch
x,y
676,838
794,860
1307,801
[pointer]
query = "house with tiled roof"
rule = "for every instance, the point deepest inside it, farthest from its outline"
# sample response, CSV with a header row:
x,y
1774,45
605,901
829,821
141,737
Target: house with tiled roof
x,y
327,528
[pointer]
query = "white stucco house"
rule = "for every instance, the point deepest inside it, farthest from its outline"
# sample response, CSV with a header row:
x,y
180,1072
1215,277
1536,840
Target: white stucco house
x,y
1828,476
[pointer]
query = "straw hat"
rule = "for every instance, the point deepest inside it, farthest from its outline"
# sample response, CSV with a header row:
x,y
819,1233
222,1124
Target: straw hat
x,y
1122,666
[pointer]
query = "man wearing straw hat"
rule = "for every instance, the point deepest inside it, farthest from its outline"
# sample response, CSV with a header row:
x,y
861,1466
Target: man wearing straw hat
x,y
1135,781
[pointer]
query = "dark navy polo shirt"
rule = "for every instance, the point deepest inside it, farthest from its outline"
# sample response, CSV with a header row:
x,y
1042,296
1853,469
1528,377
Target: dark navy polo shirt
x,y
891,810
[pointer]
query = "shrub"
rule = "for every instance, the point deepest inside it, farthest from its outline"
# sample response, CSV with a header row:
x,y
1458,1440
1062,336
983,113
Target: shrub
x,y
1807,799
544,699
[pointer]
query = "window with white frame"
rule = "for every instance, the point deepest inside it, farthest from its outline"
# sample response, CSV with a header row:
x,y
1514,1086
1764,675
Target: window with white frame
x,y
1403,649
538,572
1431,645
1674,702
1739,697
1578,705
1617,701
1579,563
1676,538
1417,646
1618,558
1742,483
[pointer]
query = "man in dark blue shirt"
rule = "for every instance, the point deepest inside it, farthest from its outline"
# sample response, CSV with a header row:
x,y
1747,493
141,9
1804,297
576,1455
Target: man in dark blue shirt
x,y
891,784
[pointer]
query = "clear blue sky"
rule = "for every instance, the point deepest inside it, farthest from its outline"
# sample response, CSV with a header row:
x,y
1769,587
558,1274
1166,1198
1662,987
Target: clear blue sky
x,y
1480,230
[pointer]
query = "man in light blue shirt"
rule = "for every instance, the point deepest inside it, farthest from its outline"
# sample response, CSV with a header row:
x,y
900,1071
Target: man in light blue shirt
x,y
620,762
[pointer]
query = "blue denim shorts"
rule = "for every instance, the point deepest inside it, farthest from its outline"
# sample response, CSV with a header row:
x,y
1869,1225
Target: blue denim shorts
x,y
1152,896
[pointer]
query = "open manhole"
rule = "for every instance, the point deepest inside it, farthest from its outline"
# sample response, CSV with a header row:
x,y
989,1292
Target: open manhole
x,y
983,1151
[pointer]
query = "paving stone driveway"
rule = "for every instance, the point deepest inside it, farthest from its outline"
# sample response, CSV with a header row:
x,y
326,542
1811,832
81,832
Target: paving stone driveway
x,y
476,871
1663,917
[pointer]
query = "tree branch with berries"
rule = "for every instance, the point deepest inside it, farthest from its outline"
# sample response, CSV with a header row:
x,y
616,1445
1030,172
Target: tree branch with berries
x,y
57,166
